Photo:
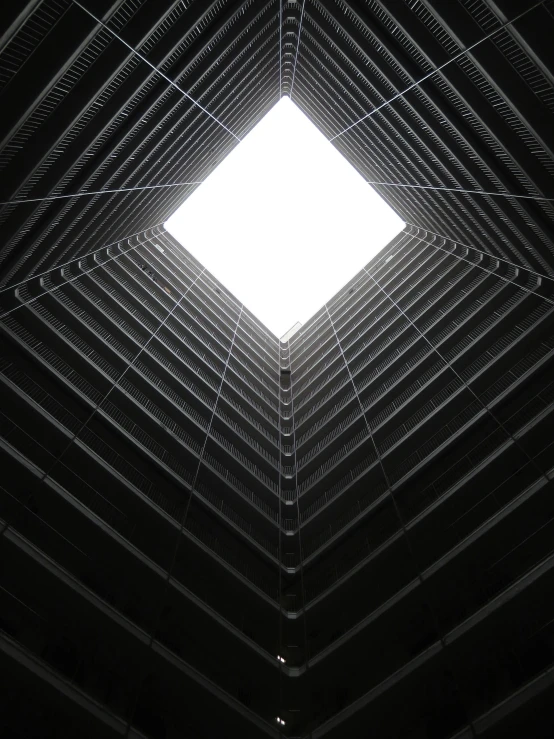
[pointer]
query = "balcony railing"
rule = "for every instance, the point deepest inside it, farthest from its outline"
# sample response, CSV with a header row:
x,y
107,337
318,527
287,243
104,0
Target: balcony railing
x,y
443,435
232,558
55,409
108,310
74,339
165,457
346,398
140,316
305,458
40,396
211,381
212,462
198,351
57,363
176,318
178,398
338,524
240,409
430,302
488,321
228,512
331,461
317,584
254,469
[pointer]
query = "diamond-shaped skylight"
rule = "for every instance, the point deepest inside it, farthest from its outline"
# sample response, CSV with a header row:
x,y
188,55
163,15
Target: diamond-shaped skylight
x,y
284,221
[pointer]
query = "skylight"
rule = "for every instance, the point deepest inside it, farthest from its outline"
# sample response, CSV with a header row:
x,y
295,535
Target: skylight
x,y
284,221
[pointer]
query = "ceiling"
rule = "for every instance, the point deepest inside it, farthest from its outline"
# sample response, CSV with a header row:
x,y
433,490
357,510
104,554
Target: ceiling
x,y
124,97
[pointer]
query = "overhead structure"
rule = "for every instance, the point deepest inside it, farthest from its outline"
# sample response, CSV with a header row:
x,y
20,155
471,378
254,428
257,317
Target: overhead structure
x,y
207,531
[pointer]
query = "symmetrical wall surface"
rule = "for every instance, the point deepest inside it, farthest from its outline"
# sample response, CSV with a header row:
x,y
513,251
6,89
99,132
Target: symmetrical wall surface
x,y
206,532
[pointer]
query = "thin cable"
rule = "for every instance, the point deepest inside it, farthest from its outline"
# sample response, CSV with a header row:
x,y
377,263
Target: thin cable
x,y
465,383
484,253
200,454
77,259
478,266
297,48
97,192
438,69
145,60
116,382
201,182
459,189
402,523
99,407
58,287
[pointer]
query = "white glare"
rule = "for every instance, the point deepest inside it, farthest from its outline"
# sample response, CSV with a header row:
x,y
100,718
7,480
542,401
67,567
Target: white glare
x,y
284,221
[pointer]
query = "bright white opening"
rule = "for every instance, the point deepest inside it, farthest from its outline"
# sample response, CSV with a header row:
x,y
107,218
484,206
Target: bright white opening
x,y
284,221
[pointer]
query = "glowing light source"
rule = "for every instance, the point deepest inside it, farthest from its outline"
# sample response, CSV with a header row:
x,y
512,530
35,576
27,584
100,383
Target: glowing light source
x,y
284,221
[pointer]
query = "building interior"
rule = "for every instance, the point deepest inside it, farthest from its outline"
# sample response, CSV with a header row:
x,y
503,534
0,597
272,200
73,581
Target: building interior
x,y
208,531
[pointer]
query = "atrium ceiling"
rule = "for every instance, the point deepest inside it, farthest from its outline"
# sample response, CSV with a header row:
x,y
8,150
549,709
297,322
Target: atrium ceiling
x,y
113,112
